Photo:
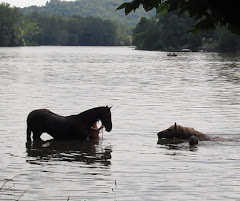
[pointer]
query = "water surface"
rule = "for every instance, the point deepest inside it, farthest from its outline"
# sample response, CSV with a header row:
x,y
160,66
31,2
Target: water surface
x,y
149,92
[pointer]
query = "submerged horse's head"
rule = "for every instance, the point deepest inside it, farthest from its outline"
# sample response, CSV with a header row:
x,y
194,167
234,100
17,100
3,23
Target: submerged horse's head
x,y
106,118
168,133
176,131
181,132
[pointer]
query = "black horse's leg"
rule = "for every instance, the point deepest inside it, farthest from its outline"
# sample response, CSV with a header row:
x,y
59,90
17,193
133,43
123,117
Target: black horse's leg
x,y
36,136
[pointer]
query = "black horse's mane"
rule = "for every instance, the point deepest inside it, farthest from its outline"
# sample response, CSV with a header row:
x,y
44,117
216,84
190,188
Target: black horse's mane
x,y
88,114
89,111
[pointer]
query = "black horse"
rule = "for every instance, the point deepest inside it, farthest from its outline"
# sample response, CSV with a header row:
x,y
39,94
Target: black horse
x,y
67,127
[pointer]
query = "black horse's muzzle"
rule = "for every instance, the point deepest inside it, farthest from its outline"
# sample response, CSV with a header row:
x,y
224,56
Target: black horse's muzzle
x,y
108,128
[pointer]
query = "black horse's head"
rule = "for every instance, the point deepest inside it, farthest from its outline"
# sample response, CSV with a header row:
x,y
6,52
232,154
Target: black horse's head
x,y
106,118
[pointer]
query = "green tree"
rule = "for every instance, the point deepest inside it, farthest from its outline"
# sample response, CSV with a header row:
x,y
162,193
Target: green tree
x,y
60,30
145,35
91,8
228,42
10,25
165,32
208,14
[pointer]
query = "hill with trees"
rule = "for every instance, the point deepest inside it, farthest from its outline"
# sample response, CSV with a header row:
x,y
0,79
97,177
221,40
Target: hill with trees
x,y
207,14
10,25
164,32
17,29
72,31
104,9
171,32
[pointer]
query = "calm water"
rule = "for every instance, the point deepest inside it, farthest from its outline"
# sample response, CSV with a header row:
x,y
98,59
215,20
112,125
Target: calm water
x,y
149,92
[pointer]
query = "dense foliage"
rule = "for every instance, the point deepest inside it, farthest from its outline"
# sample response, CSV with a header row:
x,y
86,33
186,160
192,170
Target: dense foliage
x,y
35,29
208,14
73,31
90,8
10,25
170,32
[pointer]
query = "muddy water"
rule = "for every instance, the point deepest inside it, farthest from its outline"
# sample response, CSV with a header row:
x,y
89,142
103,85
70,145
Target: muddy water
x,y
149,92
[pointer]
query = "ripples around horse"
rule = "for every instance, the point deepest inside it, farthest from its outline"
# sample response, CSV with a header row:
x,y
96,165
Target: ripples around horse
x,y
88,151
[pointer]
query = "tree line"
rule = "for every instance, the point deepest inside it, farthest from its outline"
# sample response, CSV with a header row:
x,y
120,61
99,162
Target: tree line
x,y
165,31
17,29
172,32
90,8
10,22
206,14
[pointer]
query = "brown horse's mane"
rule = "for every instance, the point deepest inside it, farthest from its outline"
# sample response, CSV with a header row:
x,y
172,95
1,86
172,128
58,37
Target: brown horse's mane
x,y
187,132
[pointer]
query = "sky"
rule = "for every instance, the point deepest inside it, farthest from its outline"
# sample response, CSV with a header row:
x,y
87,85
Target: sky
x,y
26,3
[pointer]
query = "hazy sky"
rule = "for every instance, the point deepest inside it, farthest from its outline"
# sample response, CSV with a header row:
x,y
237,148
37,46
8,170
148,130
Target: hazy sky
x,y
25,3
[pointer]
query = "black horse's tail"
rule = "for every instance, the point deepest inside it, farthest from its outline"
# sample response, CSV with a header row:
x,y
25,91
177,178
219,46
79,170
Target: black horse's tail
x,y
28,130
28,134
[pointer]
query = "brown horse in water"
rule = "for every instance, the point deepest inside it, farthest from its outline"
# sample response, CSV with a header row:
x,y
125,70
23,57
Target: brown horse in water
x,y
180,132
67,127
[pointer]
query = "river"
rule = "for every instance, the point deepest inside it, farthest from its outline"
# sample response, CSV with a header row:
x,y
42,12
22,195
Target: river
x,y
149,91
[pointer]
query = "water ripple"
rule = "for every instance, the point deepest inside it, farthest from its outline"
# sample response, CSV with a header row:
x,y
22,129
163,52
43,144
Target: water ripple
x,y
149,92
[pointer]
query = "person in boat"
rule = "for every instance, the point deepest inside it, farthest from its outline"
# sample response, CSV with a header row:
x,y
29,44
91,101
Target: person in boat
x,y
171,54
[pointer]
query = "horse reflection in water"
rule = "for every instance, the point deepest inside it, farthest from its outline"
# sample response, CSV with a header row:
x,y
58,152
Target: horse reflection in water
x,y
87,151
67,127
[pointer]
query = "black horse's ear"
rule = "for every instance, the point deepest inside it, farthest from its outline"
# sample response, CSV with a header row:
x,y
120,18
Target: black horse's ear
x,y
175,125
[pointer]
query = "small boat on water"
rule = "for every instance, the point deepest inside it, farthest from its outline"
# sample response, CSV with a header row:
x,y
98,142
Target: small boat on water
x,y
172,54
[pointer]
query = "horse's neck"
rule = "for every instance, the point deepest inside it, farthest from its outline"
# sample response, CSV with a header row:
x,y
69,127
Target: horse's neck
x,y
89,116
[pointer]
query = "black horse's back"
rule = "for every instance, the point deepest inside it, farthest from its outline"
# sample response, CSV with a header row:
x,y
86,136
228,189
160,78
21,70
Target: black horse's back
x,y
35,122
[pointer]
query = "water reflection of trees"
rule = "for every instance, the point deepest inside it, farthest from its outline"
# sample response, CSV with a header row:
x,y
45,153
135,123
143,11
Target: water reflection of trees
x,y
88,151
230,72
229,68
